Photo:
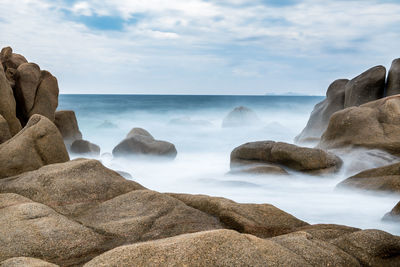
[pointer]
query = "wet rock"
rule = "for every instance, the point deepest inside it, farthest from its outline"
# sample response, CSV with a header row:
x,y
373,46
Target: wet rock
x,y
366,87
70,188
26,262
248,167
394,214
38,144
4,130
262,220
241,116
393,80
85,147
139,142
66,122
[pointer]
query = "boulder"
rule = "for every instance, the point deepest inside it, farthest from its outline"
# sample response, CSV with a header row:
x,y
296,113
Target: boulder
x,y
371,247
327,232
303,159
322,112
66,122
10,59
262,220
394,214
139,142
38,144
385,178
31,229
8,105
4,130
46,99
251,168
372,125
26,262
241,116
143,215
393,79
70,188
209,248
85,147
366,87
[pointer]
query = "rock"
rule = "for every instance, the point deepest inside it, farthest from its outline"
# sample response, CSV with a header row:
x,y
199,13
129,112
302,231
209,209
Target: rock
x,y
26,262
66,122
70,188
372,125
262,220
85,147
394,214
126,175
248,167
38,144
46,100
143,215
10,59
239,117
366,87
4,130
327,232
209,248
31,229
393,80
322,112
371,247
107,125
139,142
11,75
5,53
303,159
8,105
28,79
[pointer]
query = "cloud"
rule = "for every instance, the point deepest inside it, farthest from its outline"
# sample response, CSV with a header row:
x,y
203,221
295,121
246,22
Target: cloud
x,y
199,46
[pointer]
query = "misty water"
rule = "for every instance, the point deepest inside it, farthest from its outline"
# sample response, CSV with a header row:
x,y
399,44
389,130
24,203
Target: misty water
x,y
193,124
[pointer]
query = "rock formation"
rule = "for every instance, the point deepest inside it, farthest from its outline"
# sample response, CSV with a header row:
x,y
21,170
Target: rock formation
x,y
239,117
66,122
393,79
85,147
394,214
4,130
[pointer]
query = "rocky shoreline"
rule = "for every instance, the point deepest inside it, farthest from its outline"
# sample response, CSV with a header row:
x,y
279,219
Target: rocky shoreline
x,y
60,212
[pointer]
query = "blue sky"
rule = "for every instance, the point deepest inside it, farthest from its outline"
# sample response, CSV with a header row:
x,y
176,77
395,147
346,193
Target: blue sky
x,y
202,46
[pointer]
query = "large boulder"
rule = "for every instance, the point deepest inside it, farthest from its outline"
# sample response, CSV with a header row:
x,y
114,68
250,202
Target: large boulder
x,y
393,79
322,112
31,229
366,87
385,178
70,188
85,147
66,122
394,214
26,262
262,220
4,130
143,215
139,142
10,59
241,116
372,125
303,159
38,144
327,232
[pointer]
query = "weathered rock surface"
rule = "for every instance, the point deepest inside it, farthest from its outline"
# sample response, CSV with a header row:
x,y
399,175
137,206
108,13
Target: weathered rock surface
x,y
70,188
262,220
322,112
140,142
308,160
366,87
10,59
26,262
327,232
393,80
38,144
66,122
4,130
385,178
85,147
31,229
241,116
394,214
143,215
372,125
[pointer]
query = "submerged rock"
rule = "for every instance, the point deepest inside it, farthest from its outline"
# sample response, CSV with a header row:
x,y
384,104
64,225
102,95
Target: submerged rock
x,y
394,214
393,79
141,142
38,144
241,116
85,147
66,122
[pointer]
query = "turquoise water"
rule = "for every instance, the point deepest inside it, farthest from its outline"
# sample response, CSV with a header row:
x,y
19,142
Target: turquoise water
x,y
204,148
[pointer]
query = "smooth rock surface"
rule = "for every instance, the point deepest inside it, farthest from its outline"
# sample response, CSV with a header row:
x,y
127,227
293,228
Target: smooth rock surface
x,y
4,130
85,147
66,122
394,214
26,262
393,79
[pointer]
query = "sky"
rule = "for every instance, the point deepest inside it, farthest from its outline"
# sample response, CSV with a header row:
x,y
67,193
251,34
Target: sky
x,y
239,47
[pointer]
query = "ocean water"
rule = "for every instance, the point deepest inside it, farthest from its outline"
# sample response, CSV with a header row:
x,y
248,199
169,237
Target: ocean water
x,y
193,124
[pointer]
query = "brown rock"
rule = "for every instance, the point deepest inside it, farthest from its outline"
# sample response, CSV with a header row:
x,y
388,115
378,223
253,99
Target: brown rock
x,y
4,130
394,214
66,122
327,232
71,187
249,167
26,262
11,75
393,80
372,125
143,215
85,147
10,59
38,144
262,220
366,87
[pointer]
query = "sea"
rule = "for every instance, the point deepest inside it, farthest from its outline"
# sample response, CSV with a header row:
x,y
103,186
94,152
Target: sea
x,y
193,123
